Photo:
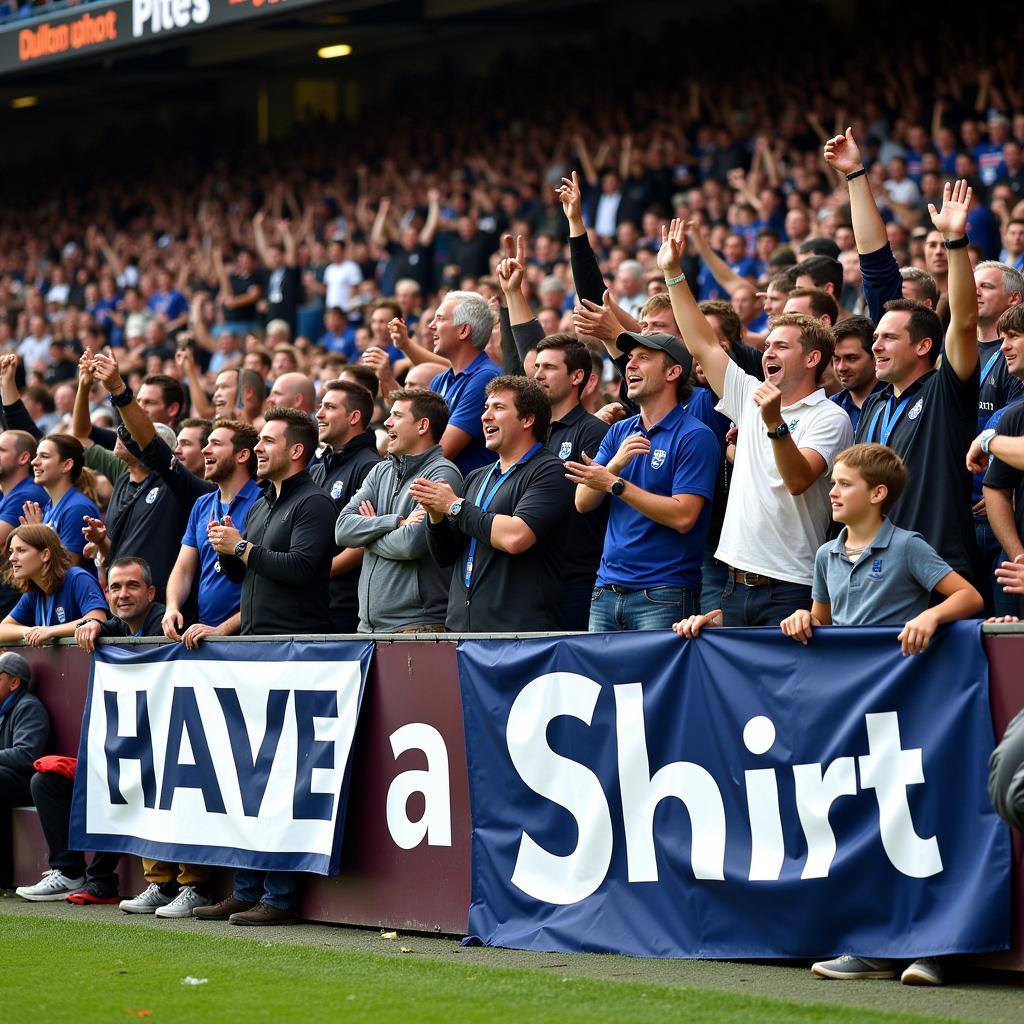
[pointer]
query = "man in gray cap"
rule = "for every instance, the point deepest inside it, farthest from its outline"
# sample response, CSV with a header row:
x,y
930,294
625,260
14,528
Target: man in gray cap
x,y
24,730
658,469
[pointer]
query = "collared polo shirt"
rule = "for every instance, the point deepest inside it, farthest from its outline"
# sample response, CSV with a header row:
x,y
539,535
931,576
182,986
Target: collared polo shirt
x,y
464,393
684,459
12,501
932,435
66,518
890,583
844,399
78,595
219,598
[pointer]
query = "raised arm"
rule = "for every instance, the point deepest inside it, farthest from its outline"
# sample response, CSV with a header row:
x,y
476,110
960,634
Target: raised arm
x,y
961,347
81,421
843,154
259,236
139,425
510,272
698,335
380,233
429,229
720,270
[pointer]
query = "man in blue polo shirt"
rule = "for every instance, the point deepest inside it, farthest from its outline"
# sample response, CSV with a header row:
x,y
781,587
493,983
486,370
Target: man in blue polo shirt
x,y
230,463
460,330
660,468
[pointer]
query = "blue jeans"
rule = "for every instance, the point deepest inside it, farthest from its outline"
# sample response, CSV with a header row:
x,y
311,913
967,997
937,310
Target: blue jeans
x,y
715,575
764,605
613,609
997,601
275,888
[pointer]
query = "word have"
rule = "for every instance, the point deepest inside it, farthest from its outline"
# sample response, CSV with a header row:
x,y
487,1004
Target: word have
x,y
253,772
158,15
886,768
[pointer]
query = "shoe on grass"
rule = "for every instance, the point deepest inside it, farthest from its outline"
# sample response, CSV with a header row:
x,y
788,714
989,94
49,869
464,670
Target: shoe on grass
x,y
261,914
926,971
54,885
147,902
184,903
854,968
92,893
223,910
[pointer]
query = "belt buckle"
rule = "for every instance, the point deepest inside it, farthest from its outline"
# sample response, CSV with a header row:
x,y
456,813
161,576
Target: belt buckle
x,y
746,579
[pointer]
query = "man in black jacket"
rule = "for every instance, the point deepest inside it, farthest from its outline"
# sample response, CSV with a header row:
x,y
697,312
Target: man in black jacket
x,y
24,730
343,422
283,561
507,537
131,591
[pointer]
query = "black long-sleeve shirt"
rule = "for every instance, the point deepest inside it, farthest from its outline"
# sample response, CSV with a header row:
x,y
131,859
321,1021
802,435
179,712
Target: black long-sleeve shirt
x,y
284,584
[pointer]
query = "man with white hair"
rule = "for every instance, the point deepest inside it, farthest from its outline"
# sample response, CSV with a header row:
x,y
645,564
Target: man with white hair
x,y
628,288
459,332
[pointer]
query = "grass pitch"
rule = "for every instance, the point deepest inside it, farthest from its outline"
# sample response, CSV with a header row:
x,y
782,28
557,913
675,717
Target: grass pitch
x,y
54,970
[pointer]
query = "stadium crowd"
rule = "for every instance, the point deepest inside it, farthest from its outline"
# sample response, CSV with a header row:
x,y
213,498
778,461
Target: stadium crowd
x,y
706,363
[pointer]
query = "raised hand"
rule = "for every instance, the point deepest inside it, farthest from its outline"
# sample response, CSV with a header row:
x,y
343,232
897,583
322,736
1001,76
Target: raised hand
x,y
951,220
511,267
673,245
843,153
399,333
570,195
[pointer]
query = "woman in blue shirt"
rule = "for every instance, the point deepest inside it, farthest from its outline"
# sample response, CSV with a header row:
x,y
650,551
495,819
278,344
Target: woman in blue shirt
x,y
59,468
55,596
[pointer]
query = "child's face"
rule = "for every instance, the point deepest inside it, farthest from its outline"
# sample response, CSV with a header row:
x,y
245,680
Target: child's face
x,y
851,497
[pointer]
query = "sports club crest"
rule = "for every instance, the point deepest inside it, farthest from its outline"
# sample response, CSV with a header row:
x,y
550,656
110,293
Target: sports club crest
x,y
61,614
566,450
152,496
658,457
916,411
336,488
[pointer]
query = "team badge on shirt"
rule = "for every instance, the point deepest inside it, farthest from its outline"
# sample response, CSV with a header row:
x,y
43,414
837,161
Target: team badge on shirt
x,y
152,496
916,411
60,614
336,488
876,569
566,450
658,457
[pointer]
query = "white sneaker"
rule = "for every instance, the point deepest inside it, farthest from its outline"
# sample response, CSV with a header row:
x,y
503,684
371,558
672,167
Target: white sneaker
x,y
926,971
182,904
52,886
146,902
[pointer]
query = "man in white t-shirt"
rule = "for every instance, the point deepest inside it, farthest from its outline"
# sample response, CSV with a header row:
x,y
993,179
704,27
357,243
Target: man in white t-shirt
x,y
341,278
789,433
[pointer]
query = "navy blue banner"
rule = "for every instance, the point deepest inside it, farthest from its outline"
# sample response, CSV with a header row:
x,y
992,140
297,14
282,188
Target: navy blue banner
x,y
234,754
738,795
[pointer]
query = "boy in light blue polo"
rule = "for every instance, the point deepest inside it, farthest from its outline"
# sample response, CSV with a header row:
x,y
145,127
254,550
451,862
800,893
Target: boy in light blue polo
x,y
876,574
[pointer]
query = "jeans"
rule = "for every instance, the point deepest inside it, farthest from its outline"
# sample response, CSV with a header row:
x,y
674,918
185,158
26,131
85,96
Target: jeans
x,y
653,608
997,601
275,888
715,575
764,605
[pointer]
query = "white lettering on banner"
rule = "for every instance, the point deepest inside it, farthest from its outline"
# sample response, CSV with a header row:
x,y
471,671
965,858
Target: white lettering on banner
x,y
221,754
543,875
158,15
436,823
569,878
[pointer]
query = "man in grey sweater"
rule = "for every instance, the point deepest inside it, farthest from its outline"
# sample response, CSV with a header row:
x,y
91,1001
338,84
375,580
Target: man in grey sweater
x,y
401,588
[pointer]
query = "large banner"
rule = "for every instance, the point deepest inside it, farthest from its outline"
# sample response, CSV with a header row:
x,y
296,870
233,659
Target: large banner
x,y
234,754
739,795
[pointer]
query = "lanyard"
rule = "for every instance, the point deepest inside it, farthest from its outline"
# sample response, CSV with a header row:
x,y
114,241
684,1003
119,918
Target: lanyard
x,y
48,608
889,419
988,366
484,504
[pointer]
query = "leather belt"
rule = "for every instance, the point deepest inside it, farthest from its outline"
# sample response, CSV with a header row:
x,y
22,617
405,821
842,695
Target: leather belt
x,y
747,579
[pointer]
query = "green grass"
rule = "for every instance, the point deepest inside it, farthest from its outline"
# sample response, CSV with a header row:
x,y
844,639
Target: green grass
x,y
55,970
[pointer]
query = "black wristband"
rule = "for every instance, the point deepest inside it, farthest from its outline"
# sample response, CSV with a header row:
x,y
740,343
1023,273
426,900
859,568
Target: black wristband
x,y
958,243
121,400
856,174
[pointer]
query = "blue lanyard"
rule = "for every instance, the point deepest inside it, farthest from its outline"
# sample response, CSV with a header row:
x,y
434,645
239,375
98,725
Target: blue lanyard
x,y
988,366
48,608
889,420
484,504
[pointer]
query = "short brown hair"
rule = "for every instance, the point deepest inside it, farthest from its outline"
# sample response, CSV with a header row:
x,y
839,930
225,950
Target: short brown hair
x,y
529,398
728,319
300,428
244,436
365,376
425,405
922,323
575,353
1012,319
822,303
204,425
389,304
878,465
24,442
357,398
814,337
656,303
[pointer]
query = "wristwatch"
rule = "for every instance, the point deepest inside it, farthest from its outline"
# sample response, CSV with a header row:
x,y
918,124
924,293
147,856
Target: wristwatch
x,y
122,399
986,439
455,509
618,487
779,432
240,548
